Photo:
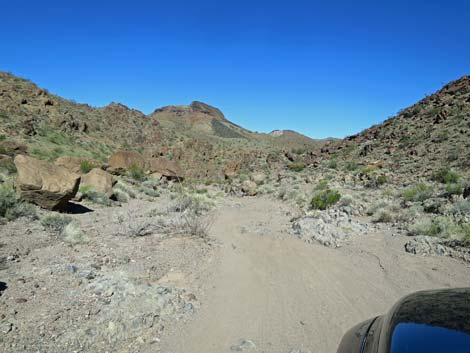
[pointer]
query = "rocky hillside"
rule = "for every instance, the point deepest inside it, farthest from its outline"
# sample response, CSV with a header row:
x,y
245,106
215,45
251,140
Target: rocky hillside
x,y
430,134
198,136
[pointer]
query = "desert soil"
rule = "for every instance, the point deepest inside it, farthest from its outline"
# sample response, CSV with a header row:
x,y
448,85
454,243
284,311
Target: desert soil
x,y
253,286
270,292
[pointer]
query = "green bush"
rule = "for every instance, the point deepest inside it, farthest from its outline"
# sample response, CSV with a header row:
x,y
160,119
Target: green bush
x,y
22,209
382,179
446,176
8,199
136,172
418,192
454,189
461,207
325,198
351,166
11,208
86,166
332,163
56,222
322,185
126,189
443,226
296,167
73,234
7,166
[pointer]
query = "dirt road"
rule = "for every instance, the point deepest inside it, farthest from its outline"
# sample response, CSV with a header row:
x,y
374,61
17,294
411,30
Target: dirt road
x,y
282,295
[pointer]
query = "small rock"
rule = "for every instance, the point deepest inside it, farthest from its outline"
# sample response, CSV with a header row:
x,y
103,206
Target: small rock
x,y
243,345
6,327
71,268
87,274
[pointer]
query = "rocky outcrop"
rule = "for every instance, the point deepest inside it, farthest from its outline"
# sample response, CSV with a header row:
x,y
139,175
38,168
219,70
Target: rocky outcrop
x,y
74,164
121,161
426,245
164,167
100,181
331,228
207,109
45,184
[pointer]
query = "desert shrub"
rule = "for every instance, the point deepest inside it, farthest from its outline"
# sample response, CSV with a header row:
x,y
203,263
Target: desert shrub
x,y
383,216
322,185
299,150
418,192
190,224
86,166
120,186
8,199
454,189
381,179
170,222
198,204
322,199
351,166
56,222
281,194
368,170
132,225
243,177
73,234
332,163
426,226
296,167
136,172
149,191
148,187
120,196
11,207
88,193
22,209
461,207
7,166
446,176
346,201
376,207
443,226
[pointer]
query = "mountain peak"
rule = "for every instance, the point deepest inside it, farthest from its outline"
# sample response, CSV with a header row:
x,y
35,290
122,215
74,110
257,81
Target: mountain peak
x,y
206,109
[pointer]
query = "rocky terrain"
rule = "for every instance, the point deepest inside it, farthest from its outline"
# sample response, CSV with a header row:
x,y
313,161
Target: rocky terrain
x,y
182,232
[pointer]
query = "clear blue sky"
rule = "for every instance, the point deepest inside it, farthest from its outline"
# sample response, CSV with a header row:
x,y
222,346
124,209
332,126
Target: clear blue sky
x,y
324,68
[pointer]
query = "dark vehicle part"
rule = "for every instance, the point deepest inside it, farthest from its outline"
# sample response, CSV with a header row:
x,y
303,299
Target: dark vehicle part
x,y
435,321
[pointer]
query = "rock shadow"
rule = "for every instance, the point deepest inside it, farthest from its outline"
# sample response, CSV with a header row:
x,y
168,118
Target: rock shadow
x,y
75,208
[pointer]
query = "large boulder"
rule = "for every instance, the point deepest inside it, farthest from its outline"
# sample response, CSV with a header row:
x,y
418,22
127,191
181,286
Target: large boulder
x,y
121,161
45,184
74,164
165,168
100,181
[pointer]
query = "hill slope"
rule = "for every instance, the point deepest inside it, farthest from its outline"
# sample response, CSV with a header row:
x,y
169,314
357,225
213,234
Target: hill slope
x,y
432,133
199,136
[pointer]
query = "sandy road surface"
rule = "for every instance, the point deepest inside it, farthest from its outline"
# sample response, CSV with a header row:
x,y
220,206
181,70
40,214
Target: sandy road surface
x,y
284,295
